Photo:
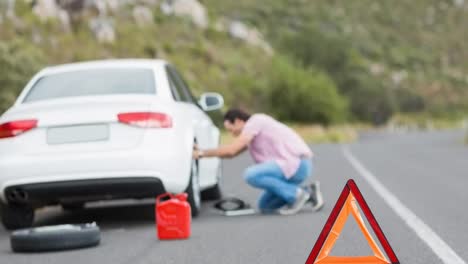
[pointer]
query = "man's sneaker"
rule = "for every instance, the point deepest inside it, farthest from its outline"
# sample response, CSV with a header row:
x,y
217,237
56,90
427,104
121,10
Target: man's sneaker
x,y
312,197
301,199
316,197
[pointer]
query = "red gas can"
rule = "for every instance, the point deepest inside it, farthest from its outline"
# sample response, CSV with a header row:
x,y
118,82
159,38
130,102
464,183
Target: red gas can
x,y
173,216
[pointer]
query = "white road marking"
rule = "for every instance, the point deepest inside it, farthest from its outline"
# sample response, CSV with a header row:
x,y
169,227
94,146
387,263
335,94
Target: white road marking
x,y
425,233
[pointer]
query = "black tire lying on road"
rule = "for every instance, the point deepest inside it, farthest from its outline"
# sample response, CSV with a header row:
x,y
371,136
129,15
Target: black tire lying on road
x,y
50,238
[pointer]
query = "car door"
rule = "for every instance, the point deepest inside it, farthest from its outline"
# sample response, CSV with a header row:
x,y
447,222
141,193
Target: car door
x,y
207,134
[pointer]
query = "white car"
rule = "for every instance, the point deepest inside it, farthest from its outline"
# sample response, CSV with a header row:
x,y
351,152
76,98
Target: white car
x,y
101,130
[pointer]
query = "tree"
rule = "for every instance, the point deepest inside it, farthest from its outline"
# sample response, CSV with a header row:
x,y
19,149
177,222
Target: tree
x,y
19,60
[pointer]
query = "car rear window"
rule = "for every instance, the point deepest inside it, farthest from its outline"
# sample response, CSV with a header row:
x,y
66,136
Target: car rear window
x,y
93,82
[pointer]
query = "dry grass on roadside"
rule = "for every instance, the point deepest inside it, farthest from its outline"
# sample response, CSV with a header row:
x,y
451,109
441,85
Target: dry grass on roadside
x,y
316,133
425,122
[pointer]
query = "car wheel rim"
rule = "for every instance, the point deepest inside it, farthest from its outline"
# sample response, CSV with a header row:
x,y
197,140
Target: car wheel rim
x,y
196,185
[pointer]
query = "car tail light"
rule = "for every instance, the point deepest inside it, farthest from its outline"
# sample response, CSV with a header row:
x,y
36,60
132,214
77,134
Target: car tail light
x,y
14,128
146,119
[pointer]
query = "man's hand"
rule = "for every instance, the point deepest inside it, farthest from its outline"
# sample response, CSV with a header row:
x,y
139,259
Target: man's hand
x,y
195,152
228,151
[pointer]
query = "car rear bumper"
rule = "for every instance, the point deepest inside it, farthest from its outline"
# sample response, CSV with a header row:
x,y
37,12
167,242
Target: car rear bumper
x,y
39,194
170,168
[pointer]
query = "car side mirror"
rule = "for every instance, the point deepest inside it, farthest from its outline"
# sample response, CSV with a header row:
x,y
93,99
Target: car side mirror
x,y
211,101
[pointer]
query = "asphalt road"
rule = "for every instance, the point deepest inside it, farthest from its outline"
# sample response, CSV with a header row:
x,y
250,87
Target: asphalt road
x,y
427,172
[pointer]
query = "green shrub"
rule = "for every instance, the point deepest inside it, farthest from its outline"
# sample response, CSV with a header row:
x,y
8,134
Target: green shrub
x,y
369,99
304,95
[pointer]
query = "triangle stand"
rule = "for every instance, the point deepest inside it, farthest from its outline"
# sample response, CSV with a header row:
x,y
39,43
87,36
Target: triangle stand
x,y
347,204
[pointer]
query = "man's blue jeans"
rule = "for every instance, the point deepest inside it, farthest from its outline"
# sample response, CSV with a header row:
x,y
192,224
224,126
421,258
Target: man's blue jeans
x,y
279,190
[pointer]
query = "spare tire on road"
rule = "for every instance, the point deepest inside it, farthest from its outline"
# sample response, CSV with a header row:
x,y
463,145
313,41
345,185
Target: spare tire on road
x,y
59,237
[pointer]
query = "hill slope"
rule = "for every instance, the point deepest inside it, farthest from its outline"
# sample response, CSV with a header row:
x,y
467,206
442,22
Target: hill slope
x,y
333,60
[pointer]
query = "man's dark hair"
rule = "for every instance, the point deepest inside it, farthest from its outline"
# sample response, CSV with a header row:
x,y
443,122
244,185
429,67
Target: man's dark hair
x,y
234,113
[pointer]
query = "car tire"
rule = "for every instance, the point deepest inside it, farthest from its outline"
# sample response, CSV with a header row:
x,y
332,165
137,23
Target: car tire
x,y
193,189
73,206
50,238
16,216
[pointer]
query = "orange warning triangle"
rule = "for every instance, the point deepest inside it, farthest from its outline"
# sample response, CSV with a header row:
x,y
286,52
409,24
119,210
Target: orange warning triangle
x,y
348,204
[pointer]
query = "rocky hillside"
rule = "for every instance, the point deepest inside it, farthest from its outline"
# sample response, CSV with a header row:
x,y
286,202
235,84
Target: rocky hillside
x,y
322,61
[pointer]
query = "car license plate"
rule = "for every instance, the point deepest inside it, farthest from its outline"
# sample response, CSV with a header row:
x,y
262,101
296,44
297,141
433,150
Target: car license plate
x,y
77,134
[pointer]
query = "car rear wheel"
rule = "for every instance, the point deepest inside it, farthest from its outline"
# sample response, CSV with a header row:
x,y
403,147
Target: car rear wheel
x,y
214,192
16,216
193,189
